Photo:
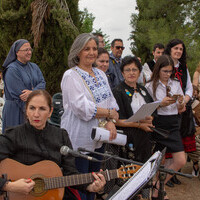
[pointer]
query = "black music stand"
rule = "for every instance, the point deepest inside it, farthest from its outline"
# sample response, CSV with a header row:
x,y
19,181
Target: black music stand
x,y
140,179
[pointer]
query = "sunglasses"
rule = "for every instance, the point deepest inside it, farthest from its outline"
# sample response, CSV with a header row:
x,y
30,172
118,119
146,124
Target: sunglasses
x,y
120,47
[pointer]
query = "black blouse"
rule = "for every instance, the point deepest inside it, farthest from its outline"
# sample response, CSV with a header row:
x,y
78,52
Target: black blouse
x,y
139,138
28,145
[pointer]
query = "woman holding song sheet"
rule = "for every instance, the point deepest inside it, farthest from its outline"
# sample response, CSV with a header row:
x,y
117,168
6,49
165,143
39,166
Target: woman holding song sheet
x,y
130,96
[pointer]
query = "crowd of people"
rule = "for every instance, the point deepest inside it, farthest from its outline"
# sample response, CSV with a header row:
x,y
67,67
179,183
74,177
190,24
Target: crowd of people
x,y
100,89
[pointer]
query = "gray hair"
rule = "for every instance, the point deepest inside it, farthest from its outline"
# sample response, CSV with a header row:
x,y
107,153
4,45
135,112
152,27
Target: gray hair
x,y
77,46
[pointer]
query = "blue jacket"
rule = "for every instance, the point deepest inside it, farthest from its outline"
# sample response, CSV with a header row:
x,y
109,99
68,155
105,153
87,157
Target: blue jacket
x,y
114,73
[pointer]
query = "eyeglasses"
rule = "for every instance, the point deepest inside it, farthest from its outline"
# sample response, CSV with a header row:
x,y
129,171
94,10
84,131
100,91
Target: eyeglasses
x,y
26,50
131,70
120,47
167,71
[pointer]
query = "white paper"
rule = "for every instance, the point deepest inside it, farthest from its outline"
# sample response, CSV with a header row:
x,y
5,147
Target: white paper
x,y
140,178
101,134
144,111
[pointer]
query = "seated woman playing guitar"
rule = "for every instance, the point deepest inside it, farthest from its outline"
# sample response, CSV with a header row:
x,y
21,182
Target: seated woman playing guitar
x,y
36,141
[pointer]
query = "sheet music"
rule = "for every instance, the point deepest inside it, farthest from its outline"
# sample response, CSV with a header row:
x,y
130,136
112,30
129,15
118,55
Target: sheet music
x,y
140,178
144,111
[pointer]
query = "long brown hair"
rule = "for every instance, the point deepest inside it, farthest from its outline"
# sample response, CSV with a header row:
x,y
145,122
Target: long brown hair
x,y
162,61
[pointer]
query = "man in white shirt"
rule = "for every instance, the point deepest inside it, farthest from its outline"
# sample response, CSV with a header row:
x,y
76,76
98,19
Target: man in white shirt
x,y
147,69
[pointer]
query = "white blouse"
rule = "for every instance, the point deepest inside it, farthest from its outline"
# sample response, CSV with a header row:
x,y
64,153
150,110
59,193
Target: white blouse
x,y
161,94
80,104
137,101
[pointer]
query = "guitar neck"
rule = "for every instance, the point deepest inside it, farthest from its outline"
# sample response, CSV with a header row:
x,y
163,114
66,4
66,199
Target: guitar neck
x,y
78,179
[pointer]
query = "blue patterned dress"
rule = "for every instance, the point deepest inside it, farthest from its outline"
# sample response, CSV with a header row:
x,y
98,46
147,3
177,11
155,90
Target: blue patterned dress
x,y
18,77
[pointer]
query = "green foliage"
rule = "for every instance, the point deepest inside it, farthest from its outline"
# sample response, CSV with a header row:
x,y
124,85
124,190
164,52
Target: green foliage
x,y
86,21
51,54
161,21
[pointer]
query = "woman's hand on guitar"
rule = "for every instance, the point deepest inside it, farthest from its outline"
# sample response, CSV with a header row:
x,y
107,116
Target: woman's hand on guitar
x,y
23,186
98,183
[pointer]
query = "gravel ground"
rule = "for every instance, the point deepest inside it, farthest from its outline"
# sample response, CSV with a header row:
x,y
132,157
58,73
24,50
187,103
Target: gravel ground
x,y
188,190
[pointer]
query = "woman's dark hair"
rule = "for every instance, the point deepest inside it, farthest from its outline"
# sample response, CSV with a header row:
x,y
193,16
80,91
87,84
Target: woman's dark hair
x,y
43,93
173,43
163,61
102,51
127,60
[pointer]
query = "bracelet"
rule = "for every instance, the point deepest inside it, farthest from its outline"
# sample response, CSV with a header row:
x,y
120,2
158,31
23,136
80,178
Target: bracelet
x,y
109,113
102,123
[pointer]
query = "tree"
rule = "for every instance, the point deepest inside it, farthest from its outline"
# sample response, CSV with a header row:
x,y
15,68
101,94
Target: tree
x,y
161,21
86,21
49,25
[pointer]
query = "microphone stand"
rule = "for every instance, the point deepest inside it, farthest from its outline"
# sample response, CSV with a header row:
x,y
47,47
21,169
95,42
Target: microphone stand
x,y
161,168
162,175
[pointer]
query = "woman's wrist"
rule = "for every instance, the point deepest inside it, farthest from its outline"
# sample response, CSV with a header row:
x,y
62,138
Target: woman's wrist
x,y
109,113
109,118
102,123
112,120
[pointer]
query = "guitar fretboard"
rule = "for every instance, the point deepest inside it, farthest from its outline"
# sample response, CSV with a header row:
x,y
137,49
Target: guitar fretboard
x,y
78,179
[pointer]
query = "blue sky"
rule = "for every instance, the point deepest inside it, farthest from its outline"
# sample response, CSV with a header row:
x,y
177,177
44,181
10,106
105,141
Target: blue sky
x,y
113,17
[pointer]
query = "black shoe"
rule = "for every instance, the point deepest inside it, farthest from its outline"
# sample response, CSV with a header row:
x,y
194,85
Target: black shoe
x,y
175,180
169,183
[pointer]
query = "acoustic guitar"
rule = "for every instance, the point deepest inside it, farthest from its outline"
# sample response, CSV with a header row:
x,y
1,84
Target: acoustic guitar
x,y
49,180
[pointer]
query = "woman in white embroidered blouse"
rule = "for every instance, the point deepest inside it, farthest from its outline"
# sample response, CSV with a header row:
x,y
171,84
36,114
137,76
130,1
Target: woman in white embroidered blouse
x,y
87,98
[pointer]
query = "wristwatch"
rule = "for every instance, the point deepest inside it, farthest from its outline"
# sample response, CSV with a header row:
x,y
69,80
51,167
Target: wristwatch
x,y
112,120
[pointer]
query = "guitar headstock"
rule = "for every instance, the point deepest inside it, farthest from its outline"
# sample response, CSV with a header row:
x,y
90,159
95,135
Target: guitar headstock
x,y
126,172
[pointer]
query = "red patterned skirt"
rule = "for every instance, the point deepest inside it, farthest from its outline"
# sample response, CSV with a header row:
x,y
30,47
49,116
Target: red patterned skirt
x,y
189,144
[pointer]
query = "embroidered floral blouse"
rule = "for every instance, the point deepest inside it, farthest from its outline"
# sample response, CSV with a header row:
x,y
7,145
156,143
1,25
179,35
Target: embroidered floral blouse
x,y
82,94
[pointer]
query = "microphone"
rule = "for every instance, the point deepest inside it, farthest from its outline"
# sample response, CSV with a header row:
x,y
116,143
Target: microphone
x,y
65,150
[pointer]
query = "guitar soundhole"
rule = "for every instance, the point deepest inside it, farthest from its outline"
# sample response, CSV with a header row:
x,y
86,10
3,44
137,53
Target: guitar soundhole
x,y
39,188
